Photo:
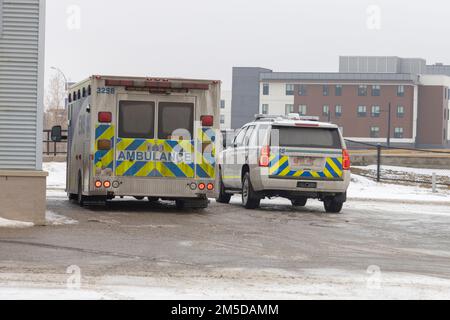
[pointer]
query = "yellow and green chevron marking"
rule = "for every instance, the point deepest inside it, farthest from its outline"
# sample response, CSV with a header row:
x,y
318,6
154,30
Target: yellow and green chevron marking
x,y
206,159
104,159
279,166
152,168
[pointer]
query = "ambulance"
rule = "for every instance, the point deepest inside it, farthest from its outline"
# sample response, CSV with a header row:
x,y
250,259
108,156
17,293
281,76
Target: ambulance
x,y
147,138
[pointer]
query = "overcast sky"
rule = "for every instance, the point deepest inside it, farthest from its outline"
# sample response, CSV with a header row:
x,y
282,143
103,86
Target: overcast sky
x,y
206,38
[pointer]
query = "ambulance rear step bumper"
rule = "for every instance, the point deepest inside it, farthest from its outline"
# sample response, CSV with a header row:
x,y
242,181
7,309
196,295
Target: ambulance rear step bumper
x,y
158,187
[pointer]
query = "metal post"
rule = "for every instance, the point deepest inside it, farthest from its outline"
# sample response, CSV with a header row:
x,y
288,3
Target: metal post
x,y
434,181
48,143
389,126
379,163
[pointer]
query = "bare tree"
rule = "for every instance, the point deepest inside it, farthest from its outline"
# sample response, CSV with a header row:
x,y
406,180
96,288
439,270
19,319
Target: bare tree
x,y
55,113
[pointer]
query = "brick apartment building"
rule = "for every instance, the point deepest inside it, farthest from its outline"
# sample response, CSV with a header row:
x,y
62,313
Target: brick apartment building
x,y
357,98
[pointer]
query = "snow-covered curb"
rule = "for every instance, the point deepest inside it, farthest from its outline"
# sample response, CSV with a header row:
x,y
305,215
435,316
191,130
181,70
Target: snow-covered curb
x,y
5,223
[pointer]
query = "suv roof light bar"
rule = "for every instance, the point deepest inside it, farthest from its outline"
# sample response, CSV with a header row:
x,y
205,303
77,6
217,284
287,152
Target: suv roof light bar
x,y
292,116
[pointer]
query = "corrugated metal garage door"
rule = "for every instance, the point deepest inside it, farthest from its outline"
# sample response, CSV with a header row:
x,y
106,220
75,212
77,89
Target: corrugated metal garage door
x,y
19,45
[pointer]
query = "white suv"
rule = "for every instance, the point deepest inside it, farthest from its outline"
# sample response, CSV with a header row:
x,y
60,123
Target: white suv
x,y
291,157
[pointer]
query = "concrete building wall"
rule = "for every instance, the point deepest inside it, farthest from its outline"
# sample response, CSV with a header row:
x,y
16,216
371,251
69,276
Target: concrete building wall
x,y
246,95
22,39
276,100
225,109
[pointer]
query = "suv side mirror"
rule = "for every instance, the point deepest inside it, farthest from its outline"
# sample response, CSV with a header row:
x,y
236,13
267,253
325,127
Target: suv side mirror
x,y
56,135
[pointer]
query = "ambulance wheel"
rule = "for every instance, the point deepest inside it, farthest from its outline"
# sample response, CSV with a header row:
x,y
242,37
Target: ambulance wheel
x,y
72,196
153,199
80,198
223,196
139,198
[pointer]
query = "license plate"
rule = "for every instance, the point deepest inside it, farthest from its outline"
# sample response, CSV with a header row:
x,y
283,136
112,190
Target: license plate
x,y
307,185
302,161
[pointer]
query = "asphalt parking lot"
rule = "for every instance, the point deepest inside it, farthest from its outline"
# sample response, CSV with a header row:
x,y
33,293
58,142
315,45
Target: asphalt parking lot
x,y
277,242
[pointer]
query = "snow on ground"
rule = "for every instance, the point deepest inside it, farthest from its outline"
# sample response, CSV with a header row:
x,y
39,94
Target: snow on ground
x,y
420,171
253,284
5,223
363,188
55,219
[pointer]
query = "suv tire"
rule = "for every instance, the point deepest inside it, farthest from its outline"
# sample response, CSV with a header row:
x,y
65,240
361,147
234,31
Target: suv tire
x,y
333,206
250,199
223,196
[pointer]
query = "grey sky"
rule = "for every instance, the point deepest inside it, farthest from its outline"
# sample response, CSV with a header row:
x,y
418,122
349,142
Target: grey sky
x,y
205,39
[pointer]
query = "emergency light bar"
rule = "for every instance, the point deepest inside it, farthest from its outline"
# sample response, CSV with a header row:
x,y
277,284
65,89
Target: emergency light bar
x,y
152,84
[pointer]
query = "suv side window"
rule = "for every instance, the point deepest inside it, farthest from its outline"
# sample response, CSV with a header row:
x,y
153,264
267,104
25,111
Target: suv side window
x,y
239,141
248,135
259,136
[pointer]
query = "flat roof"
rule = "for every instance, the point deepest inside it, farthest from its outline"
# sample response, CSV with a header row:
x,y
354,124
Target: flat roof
x,y
338,76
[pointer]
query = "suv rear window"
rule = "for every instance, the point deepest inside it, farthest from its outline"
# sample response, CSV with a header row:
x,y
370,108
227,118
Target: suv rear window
x,y
306,137
175,120
137,119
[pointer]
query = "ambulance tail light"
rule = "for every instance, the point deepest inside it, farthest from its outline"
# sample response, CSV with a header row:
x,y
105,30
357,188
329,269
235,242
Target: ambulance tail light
x,y
346,162
98,184
107,184
207,121
202,186
105,117
210,187
264,160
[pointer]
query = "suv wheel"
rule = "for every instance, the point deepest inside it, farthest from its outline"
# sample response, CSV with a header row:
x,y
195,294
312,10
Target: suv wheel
x,y
299,202
333,206
223,196
250,199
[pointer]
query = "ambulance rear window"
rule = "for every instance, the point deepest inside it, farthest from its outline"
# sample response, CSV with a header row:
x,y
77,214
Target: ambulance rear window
x,y
175,121
137,119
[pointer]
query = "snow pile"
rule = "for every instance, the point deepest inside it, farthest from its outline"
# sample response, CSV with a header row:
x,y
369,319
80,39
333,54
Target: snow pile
x,y
56,175
363,188
4,223
419,171
58,220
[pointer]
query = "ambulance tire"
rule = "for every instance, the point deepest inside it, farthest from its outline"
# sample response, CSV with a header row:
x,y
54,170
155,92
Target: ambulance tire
x,y
73,196
80,197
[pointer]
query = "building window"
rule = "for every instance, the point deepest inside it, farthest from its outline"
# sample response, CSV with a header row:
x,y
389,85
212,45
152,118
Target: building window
x,y
290,89
265,109
266,89
222,119
326,91
376,111
375,132
362,91
222,104
376,91
338,90
400,111
302,90
289,109
362,111
302,109
401,91
398,133
326,110
338,111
